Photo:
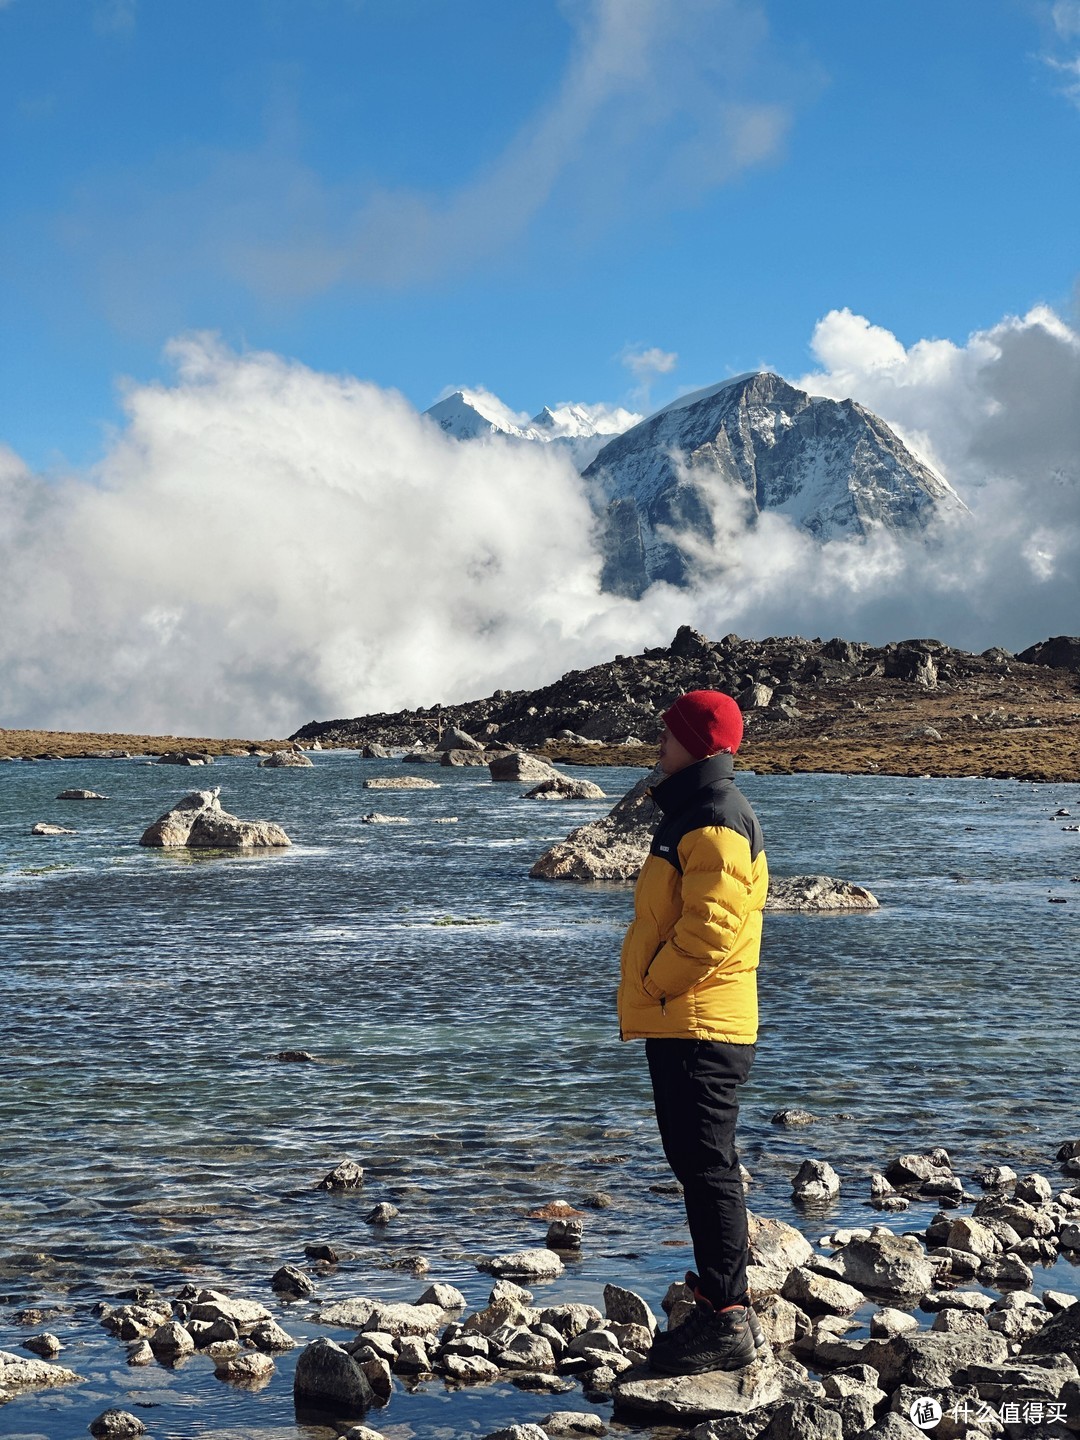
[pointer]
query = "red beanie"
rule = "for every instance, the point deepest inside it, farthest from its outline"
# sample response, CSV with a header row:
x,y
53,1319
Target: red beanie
x,y
705,722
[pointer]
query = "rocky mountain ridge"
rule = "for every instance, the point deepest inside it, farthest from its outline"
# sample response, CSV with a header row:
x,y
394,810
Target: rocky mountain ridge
x,y
750,445
791,690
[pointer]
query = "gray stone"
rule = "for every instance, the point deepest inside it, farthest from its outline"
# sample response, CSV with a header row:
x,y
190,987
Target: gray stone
x,y
470,1369
624,1307
564,1235
612,848
279,759
403,1319
80,795
791,1119
804,1420
1004,1272
697,1397
561,787
775,1249
968,1234
816,1180
46,1345
454,739
817,892
170,1341
446,1297
19,1373
348,1175
1059,1336
291,1280
43,827
382,1214
197,821
412,1357
925,1358
252,1369
814,1293
528,1352
518,1432
782,1322
572,1422
540,1264
268,1335
889,1321
886,1264
212,1305
400,782
1035,1189
328,1379
116,1425
516,765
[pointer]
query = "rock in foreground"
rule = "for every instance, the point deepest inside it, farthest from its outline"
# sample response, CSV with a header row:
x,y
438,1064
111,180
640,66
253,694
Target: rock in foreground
x,y
198,822
614,849
642,1393
327,1379
611,848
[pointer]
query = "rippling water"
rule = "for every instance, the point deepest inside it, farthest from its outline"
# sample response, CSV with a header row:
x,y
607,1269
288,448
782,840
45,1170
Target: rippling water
x,y
467,1052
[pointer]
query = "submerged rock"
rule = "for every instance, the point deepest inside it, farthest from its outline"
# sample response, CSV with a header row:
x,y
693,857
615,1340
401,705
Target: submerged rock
x,y
400,782
198,822
43,827
529,1264
80,795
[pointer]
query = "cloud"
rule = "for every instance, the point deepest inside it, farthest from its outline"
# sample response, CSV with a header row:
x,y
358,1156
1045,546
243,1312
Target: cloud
x,y
657,105
1064,56
264,545
115,17
645,363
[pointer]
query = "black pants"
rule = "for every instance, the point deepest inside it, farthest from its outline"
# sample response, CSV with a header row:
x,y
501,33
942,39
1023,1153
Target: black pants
x,y
694,1089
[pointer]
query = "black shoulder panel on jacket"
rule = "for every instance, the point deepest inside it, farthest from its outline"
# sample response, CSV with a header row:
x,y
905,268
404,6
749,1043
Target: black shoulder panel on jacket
x,y
703,794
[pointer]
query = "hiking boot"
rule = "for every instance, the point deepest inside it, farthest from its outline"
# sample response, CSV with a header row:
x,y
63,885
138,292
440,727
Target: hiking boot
x,y
709,1340
751,1314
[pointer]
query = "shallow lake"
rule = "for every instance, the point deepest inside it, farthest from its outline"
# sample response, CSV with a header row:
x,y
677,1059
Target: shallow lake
x,y
467,1054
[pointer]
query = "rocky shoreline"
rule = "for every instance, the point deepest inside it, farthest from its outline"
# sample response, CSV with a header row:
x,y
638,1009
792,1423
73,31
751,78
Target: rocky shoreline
x,y
913,707
952,1324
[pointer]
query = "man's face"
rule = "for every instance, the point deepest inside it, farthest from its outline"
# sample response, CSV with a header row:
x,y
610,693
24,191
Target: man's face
x,y
674,756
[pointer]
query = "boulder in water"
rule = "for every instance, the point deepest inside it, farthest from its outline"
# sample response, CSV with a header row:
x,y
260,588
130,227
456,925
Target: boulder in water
x,y
516,765
561,787
198,822
279,759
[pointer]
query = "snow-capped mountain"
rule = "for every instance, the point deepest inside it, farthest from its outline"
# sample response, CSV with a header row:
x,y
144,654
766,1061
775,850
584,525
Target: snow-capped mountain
x,y
581,431
834,468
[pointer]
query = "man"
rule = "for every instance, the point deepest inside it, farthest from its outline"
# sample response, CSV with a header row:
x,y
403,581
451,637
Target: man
x,y
689,988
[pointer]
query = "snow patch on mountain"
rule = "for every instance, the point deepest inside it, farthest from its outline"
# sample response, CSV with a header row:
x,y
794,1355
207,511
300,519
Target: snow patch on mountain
x,y
578,430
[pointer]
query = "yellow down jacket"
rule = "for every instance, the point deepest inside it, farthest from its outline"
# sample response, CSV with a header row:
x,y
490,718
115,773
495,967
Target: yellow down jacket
x,y
690,957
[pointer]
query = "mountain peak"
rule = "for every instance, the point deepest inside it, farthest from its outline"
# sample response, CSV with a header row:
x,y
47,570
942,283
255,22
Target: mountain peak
x,y
833,468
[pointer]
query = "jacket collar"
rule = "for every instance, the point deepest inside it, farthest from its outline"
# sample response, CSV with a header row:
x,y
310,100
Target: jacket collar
x,y
679,790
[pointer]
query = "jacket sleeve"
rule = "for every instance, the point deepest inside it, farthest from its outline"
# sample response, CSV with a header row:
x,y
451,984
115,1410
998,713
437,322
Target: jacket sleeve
x,y
717,889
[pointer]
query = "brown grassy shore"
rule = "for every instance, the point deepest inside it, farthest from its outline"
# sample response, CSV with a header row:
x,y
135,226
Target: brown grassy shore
x,y
1024,735
76,745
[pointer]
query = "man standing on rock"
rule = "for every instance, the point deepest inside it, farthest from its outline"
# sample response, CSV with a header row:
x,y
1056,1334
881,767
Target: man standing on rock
x,y
688,988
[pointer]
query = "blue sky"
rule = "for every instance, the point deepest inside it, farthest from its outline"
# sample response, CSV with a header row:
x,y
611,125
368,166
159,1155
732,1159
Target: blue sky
x,y
516,195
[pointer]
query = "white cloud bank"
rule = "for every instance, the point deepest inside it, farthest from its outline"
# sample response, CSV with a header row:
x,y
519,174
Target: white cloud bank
x,y
264,545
